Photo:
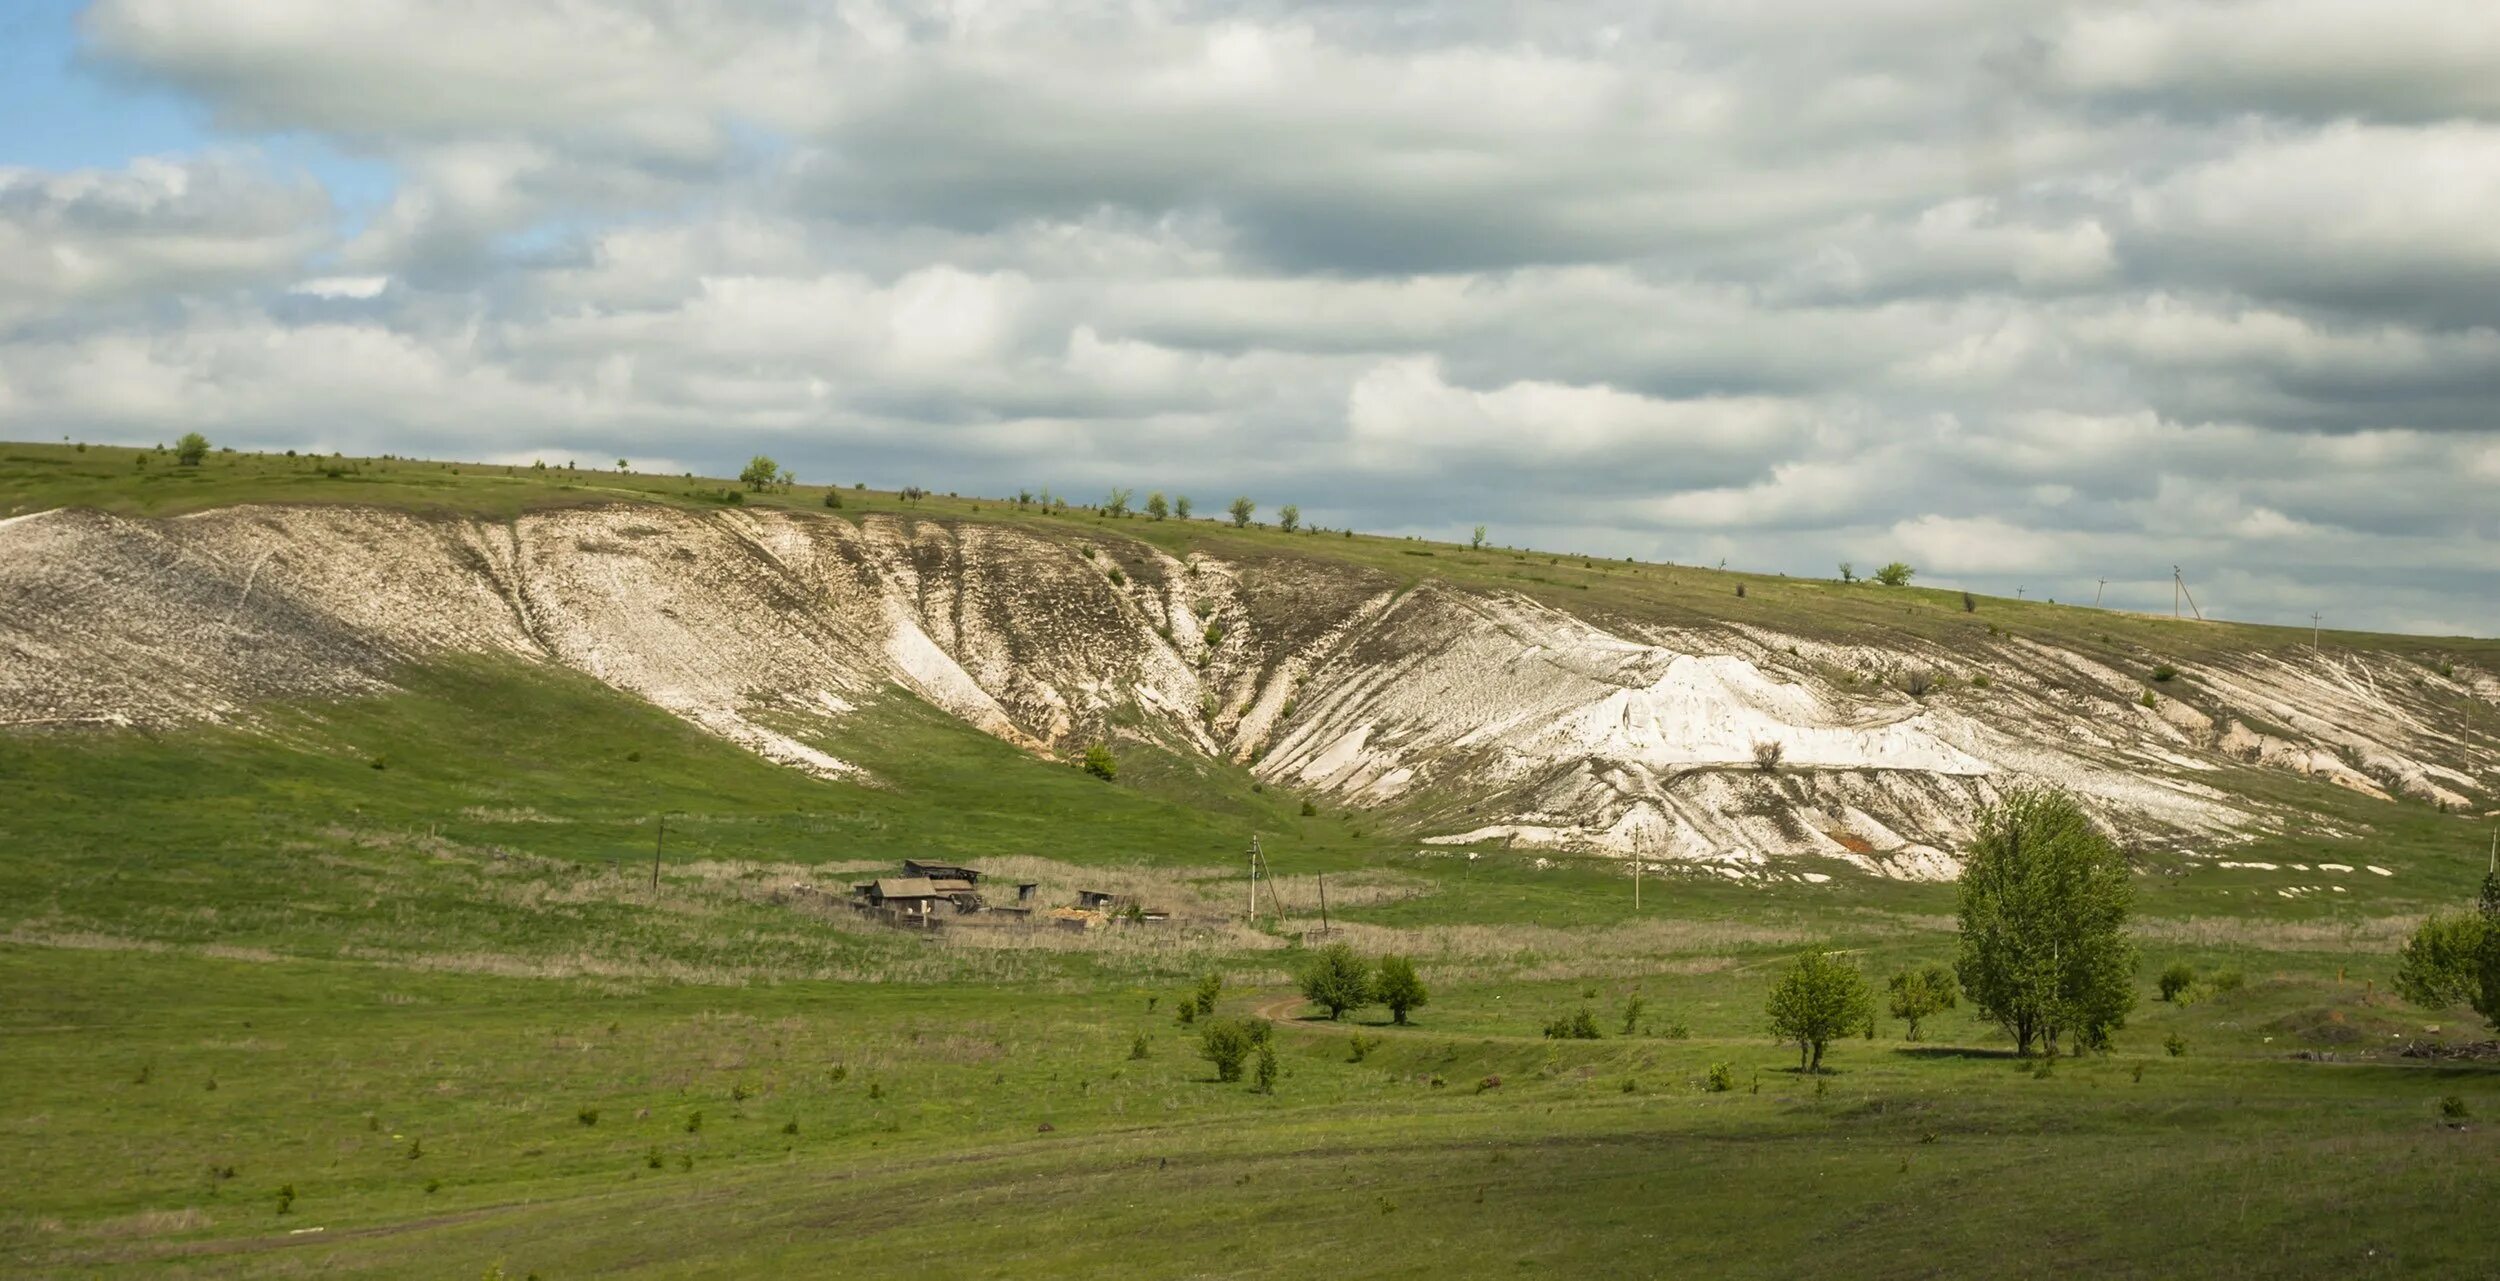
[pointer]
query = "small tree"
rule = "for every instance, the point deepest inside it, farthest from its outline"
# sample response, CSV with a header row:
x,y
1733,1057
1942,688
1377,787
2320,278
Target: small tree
x,y
1476,540
1100,763
1265,1081
1289,518
1227,1043
1180,507
191,449
760,473
1848,572
1336,978
1241,510
1819,1000
2176,979
1895,574
1918,994
621,465
1117,503
2043,914
2452,959
1203,997
1156,508
1399,987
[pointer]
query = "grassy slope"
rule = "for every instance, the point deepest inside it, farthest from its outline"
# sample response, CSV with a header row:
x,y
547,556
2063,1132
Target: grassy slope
x,y
455,952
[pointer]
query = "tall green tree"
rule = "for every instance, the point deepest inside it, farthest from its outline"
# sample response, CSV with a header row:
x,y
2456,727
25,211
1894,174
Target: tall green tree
x,y
1399,987
1180,507
1241,510
1336,978
1289,517
1156,507
760,473
189,450
1820,999
2044,903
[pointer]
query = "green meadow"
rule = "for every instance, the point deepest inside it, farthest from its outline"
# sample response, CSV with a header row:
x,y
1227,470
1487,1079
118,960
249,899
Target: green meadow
x,y
506,974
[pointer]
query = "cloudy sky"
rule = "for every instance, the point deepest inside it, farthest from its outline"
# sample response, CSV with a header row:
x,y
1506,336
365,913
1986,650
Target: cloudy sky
x,y
2027,293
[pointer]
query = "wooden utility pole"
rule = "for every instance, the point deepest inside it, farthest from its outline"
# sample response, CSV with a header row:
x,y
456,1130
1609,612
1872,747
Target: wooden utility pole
x,y
2178,589
656,844
1323,905
2314,616
2100,586
1636,878
1253,917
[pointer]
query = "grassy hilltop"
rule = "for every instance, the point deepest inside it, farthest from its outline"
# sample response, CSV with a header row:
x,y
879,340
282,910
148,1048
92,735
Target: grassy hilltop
x,y
383,986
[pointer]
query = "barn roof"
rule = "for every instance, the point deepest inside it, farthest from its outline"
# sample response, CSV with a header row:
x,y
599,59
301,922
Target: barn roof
x,y
905,887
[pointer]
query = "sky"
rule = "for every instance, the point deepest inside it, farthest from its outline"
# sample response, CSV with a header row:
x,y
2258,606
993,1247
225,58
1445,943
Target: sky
x,y
2029,294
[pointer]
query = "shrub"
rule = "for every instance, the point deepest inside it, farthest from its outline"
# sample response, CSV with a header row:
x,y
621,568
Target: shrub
x,y
833,498
1579,1025
1309,810
1970,603
1204,996
1896,574
1848,572
1156,508
790,1127
1138,1049
2229,981
1100,763
2165,672
1767,753
1476,540
1720,1080
694,1123
1289,518
1484,1083
1117,503
2175,979
1819,999
1399,987
286,1198
1264,1081
2452,1108
191,449
1180,507
2175,1044
1228,1044
1241,510
1676,1031
587,1116
1336,978
1917,994
1917,681
1361,1047
1632,1007
760,473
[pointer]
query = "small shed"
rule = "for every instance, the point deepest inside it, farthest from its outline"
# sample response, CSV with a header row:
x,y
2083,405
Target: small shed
x,y
941,872
1097,900
909,895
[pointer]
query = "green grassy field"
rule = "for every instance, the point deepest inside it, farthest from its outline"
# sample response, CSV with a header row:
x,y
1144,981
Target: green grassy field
x,y
384,987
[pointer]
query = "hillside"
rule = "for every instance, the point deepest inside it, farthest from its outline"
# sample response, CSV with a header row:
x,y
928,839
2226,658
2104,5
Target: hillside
x,y
1463,697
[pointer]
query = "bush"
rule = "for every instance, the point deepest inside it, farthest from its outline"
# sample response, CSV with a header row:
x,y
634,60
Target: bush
x,y
1228,1044
1289,518
1399,987
1336,978
2452,1108
1264,1081
2175,979
1156,508
191,449
1579,1025
1241,510
1818,1000
2165,672
2175,1044
1896,574
1100,763
1970,603
1138,1049
760,473
1632,1007
1721,1079
1309,810
1203,997
1917,994
833,498
2229,981
1767,753
1917,681
587,1116
1361,1047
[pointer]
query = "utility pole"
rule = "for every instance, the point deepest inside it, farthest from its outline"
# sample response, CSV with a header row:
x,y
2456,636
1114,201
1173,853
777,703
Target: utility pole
x,y
1253,917
2314,616
1636,879
2178,588
656,845
2101,586
1323,905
